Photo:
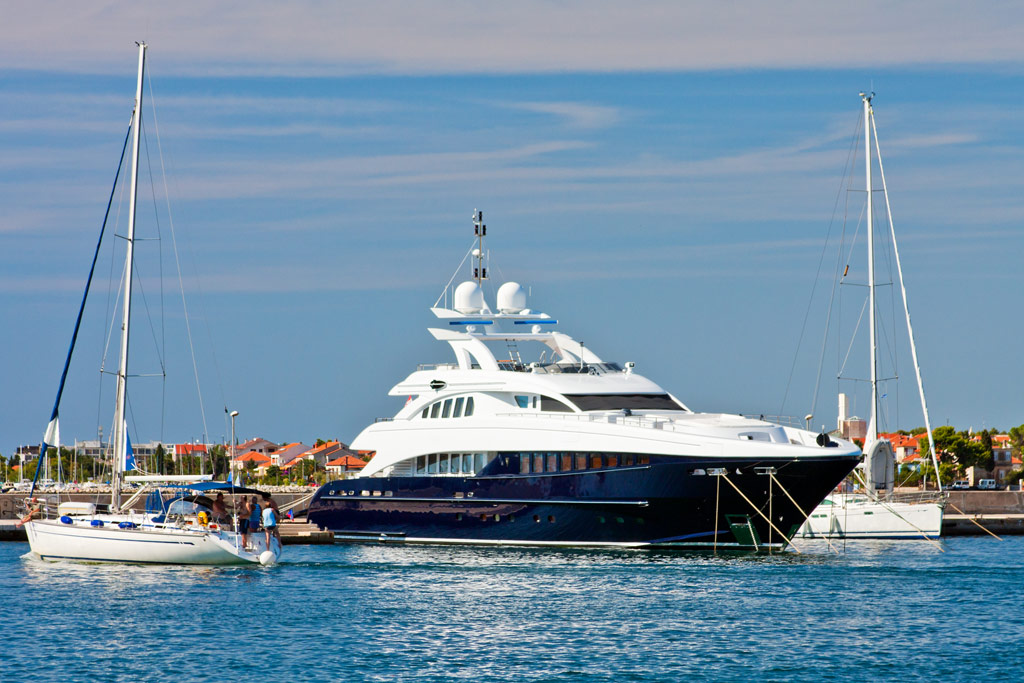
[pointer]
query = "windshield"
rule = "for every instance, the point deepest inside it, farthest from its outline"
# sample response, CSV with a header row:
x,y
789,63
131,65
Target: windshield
x,y
186,507
587,402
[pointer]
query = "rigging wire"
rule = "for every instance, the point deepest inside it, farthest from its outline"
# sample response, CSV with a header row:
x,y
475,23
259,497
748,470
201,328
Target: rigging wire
x,y
817,276
177,263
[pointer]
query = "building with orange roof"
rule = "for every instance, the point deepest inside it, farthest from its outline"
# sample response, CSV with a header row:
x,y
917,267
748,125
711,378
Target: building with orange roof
x,y
346,463
241,462
285,454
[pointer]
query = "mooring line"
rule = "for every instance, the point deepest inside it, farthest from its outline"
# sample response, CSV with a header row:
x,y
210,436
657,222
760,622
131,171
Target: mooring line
x,y
758,511
973,521
800,509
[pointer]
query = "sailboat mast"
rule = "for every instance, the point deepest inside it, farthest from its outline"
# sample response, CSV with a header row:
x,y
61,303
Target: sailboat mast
x,y
120,433
872,432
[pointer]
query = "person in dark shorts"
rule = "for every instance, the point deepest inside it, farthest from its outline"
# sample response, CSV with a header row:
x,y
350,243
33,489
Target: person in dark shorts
x,y
254,515
270,524
242,511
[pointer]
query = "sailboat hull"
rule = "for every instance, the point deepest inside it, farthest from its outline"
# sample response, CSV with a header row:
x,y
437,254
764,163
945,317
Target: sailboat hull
x,y
841,516
79,541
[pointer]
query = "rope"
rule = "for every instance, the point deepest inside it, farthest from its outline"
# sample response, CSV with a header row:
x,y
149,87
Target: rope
x,y
797,506
758,511
972,521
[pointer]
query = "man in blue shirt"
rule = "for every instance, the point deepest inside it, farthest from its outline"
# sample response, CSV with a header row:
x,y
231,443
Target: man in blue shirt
x,y
270,524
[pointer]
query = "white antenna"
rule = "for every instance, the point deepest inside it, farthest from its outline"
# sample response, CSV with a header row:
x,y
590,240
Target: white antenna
x,y
480,230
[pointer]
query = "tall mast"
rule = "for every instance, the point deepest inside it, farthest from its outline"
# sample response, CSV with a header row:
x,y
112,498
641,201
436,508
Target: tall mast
x,y
120,435
872,432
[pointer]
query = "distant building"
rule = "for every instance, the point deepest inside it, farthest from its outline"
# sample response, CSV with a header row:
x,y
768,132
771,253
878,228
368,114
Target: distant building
x,y
256,446
241,462
285,454
344,464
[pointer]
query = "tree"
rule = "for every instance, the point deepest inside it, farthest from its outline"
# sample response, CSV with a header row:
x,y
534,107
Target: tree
x,y
958,448
1017,440
273,475
160,455
219,460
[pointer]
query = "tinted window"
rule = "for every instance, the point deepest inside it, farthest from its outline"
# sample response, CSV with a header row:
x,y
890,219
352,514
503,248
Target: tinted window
x,y
467,463
581,461
458,407
553,405
469,406
523,401
552,462
425,411
435,409
447,408
524,464
619,401
595,461
566,462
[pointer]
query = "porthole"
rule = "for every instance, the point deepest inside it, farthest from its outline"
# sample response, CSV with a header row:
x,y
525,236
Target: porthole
x,y
536,518
551,519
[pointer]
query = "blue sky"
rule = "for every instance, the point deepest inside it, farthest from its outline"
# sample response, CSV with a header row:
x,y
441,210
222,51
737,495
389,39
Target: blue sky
x,y
662,175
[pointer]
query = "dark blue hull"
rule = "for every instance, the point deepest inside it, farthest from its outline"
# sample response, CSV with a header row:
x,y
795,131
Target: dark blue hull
x,y
669,501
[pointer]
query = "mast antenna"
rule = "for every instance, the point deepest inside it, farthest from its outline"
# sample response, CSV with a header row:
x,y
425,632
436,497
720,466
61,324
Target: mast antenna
x,y
480,230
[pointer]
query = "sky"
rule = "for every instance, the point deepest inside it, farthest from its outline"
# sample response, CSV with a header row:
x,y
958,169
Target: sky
x,y
662,176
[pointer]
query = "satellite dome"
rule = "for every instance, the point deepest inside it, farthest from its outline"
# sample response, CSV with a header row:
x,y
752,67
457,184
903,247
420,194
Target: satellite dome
x,y
469,298
511,298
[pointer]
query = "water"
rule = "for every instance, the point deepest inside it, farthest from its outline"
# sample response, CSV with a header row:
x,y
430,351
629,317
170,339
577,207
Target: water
x,y
899,611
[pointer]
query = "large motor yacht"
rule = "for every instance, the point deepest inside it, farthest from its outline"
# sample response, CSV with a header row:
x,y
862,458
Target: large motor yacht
x,y
566,449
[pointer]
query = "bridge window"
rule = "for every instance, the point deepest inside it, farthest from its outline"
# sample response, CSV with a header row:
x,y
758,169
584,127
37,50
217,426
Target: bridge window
x,y
553,405
458,407
447,410
469,406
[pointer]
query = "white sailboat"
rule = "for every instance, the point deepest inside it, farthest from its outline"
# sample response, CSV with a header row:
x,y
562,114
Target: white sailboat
x,y
877,512
179,530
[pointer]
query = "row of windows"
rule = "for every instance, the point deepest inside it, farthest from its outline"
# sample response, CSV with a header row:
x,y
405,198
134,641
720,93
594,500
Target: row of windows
x,y
538,463
452,463
450,407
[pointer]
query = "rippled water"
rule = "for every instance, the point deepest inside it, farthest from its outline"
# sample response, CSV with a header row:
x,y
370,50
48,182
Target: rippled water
x,y
899,611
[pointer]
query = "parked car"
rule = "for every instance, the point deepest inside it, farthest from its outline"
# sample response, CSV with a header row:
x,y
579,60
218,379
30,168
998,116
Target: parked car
x,y
988,485
960,485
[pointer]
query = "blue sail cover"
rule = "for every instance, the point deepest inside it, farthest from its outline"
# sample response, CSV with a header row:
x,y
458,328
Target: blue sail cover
x,y
129,454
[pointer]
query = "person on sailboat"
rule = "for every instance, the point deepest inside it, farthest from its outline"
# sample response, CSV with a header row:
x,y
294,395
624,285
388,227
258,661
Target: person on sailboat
x,y
270,524
243,512
220,510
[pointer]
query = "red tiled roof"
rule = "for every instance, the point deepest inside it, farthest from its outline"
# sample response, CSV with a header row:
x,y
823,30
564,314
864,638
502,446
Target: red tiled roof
x,y
347,461
253,456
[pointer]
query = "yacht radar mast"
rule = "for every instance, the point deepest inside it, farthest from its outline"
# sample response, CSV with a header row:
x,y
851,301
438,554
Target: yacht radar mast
x,y
480,230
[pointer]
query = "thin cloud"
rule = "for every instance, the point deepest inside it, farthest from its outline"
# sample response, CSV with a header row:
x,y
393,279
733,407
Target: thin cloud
x,y
261,37
576,114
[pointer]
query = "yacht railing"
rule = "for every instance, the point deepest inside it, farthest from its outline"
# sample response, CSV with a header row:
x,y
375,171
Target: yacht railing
x,y
786,420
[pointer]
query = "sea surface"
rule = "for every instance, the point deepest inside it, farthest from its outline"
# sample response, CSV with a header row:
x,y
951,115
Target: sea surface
x,y
873,611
